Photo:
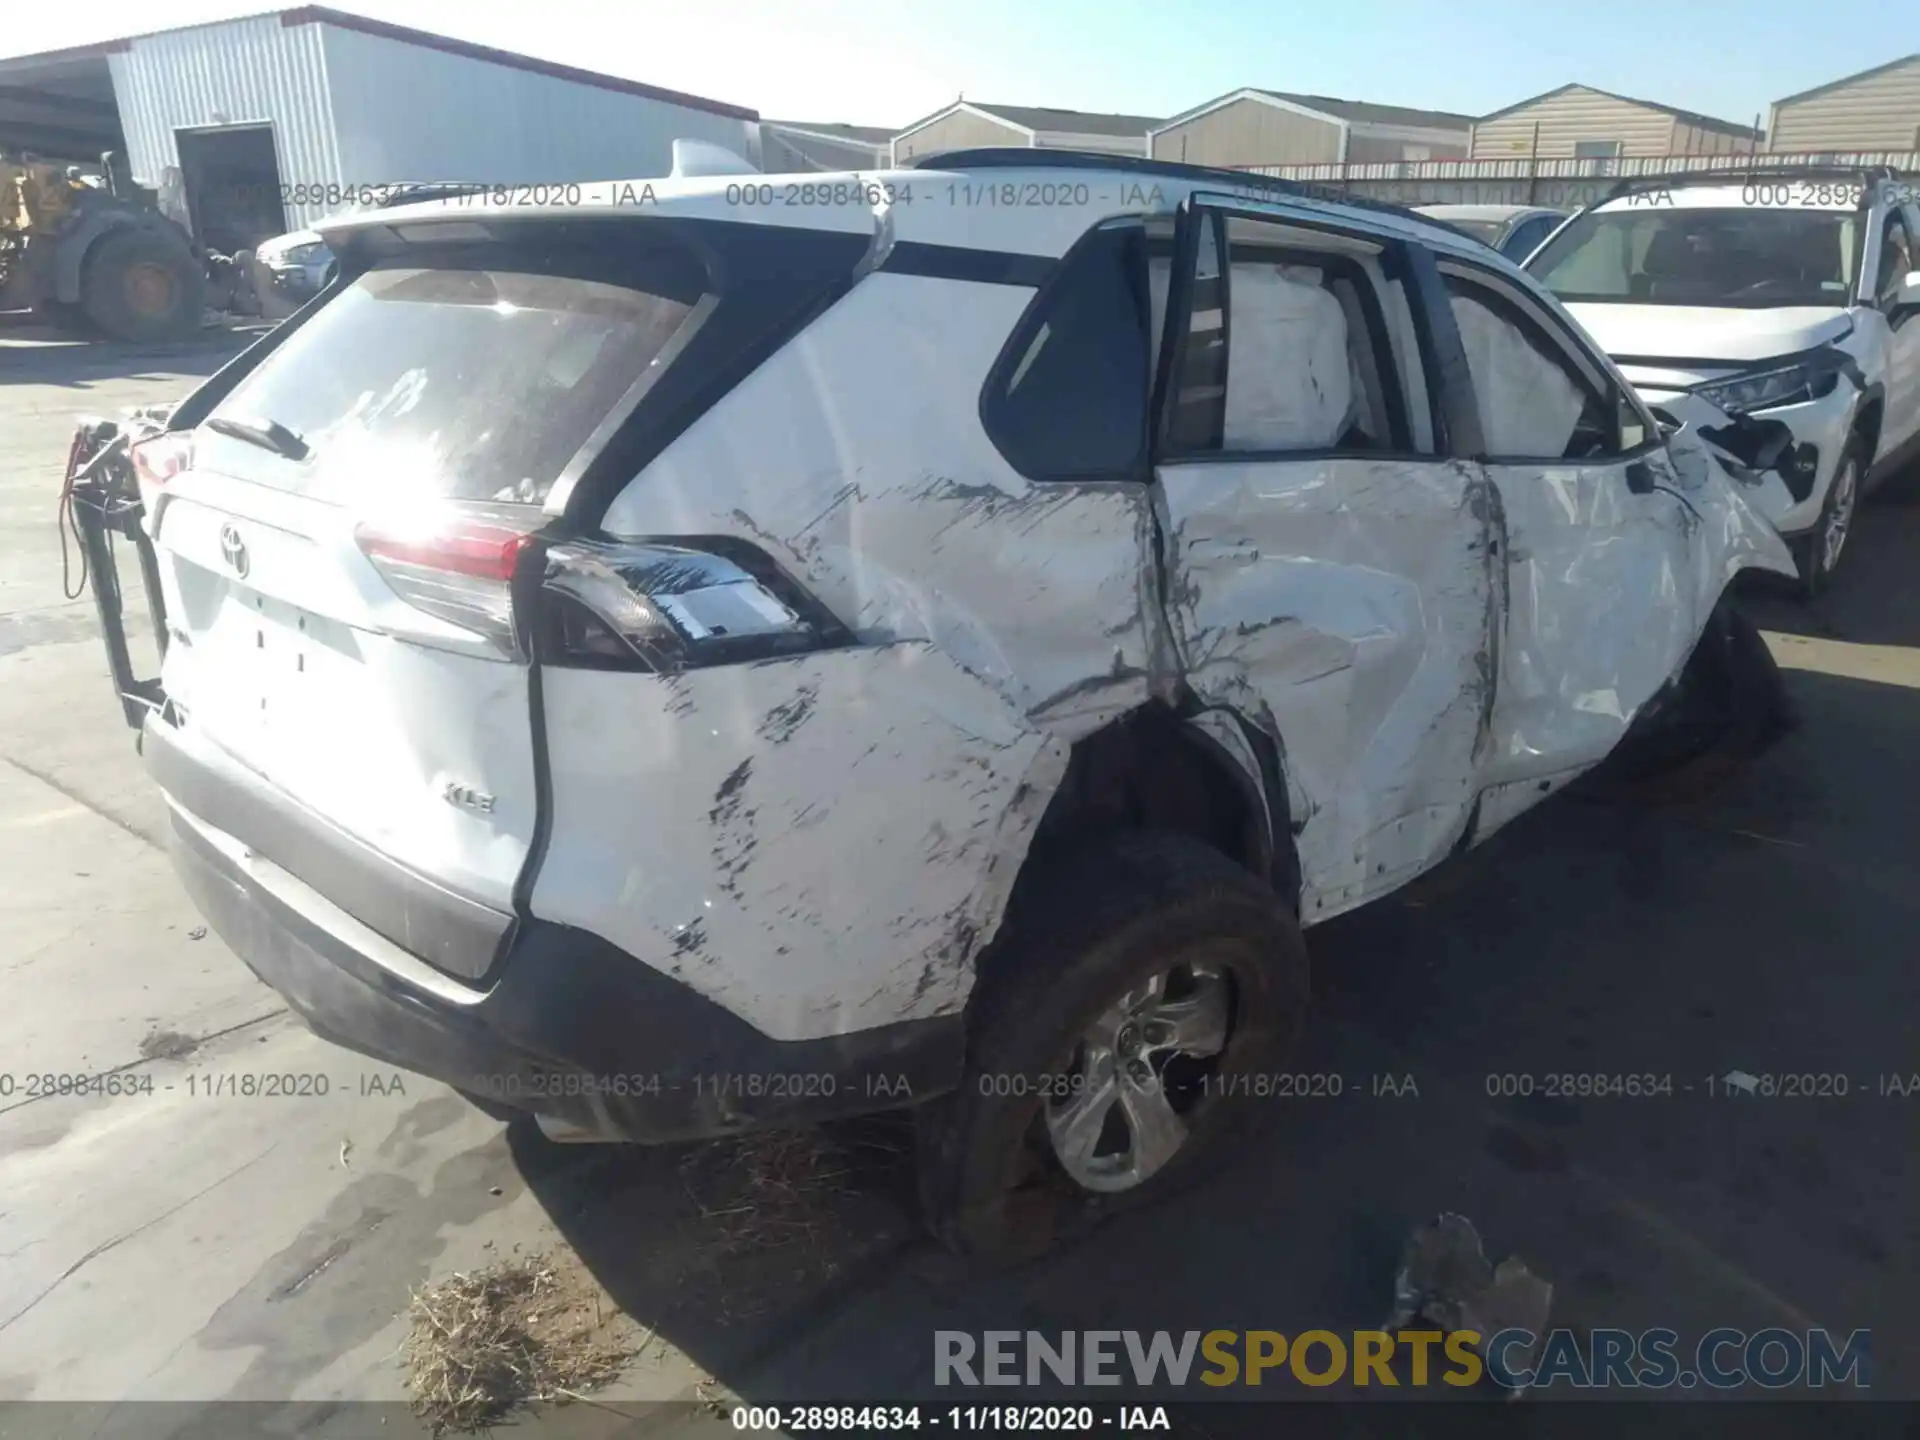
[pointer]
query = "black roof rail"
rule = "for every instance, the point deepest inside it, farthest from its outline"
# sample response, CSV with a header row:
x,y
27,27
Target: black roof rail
x,y
1867,175
1010,157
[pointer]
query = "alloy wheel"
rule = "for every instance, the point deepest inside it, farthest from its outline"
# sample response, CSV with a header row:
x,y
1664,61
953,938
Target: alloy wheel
x,y
1136,1073
1833,535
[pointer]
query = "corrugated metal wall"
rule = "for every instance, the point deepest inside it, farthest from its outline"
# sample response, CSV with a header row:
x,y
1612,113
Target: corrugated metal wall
x,y
1249,132
962,130
1700,140
1135,145
790,152
349,109
405,112
238,72
1874,112
1571,116
1363,146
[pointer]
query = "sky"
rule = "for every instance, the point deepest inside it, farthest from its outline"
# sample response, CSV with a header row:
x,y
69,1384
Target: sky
x,y
867,62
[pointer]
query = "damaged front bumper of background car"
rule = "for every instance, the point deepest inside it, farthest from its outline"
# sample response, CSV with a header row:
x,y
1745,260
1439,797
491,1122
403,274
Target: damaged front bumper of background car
x,y
1811,401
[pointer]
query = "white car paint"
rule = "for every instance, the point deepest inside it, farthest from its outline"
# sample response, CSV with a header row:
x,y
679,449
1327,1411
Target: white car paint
x,y
823,844
1696,330
1667,349
298,261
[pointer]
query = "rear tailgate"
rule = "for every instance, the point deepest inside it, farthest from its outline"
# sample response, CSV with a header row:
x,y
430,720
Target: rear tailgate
x,y
381,690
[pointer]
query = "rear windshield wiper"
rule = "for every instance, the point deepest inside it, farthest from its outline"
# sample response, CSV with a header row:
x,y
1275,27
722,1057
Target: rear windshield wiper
x,y
267,434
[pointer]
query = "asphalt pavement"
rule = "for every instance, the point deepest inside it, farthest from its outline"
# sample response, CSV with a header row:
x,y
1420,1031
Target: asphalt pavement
x,y
184,1241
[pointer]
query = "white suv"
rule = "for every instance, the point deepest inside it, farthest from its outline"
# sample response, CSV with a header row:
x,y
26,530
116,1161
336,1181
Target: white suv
x,y
1791,295
742,650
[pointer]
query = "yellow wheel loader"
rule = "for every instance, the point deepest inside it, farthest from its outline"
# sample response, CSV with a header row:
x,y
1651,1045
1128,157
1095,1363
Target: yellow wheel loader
x,y
94,257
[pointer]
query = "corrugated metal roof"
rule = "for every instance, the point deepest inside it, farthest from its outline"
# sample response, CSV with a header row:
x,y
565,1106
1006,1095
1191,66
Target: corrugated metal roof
x,y
322,14
1367,112
1072,122
1692,117
1849,79
863,134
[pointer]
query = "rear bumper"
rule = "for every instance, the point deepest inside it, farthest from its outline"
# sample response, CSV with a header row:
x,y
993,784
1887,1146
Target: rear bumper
x,y
571,1027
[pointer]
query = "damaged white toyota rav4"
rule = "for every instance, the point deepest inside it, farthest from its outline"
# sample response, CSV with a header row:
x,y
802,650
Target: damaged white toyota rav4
x,y
746,650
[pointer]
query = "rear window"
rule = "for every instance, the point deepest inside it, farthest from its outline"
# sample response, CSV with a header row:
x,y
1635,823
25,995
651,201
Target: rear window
x,y
465,376
1068,400
1748,256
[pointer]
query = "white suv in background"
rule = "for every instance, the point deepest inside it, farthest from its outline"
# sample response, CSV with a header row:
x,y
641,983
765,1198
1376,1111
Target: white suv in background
x,y
1786,294
748,649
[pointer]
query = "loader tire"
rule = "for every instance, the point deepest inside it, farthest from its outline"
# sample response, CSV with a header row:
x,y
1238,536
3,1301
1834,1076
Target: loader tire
x,y
143,285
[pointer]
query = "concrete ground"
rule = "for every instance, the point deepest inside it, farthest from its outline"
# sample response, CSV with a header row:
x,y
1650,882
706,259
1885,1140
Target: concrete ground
x,y
187,1242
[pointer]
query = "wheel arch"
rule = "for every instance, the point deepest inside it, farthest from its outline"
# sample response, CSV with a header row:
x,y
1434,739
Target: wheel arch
x,y
1196,770
1866,424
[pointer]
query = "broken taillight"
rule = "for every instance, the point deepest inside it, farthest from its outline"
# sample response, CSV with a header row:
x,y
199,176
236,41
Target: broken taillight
x,y
668,606
454,566
159,458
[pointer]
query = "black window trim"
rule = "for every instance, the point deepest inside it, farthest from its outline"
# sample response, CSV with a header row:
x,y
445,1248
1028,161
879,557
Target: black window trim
x,y
1895,216
1393,393
1020,338
1543,327
1176,332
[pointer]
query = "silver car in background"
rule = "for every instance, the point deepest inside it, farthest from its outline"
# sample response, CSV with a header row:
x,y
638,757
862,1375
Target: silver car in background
x,y
1516,231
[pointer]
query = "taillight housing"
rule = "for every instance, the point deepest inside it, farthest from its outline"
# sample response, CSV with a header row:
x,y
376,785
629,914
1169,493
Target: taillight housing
x,y
674,605
159,458
456,565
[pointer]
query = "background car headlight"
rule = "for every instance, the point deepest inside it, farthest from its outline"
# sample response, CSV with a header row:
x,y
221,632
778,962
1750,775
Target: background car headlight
x,y
298,254
1787,386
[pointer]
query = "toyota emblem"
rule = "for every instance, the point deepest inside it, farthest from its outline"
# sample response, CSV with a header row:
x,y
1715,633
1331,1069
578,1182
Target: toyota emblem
x,y
233,549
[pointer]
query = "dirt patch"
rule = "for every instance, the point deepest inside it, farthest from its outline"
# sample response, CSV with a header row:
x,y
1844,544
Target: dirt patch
x,y
768,1190
167,1045
530,1329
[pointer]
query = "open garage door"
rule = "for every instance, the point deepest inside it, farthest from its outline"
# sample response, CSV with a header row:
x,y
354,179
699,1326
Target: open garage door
x,y
232,181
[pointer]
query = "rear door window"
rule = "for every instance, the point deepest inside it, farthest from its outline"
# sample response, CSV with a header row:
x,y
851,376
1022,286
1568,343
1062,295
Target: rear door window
x,y
471,374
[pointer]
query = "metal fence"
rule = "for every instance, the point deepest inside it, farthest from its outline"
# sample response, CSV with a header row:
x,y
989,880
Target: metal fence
x,y
1564,184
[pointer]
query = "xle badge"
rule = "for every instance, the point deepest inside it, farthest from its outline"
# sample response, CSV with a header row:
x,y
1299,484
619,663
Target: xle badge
x,y
467,798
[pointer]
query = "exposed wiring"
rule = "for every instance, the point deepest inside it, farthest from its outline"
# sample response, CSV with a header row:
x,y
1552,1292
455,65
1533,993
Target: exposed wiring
x,y
78,469
68,523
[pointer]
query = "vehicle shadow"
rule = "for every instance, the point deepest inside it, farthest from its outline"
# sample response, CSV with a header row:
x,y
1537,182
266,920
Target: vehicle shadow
x,y
1875,599
80,364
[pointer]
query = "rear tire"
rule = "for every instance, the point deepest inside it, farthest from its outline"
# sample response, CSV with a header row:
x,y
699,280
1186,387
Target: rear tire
x,y
143,285
1169,949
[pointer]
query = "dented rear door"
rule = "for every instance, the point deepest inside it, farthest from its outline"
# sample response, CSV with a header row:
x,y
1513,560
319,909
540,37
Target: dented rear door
x,y
1330,575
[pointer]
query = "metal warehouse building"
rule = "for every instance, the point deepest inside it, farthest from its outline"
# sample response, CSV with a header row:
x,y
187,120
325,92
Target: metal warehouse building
x,y
799,145
966,124
259,123
1578,122
1276,127
1878,109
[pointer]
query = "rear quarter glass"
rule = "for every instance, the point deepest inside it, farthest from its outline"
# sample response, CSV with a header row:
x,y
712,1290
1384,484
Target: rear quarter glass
x,y
469,374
